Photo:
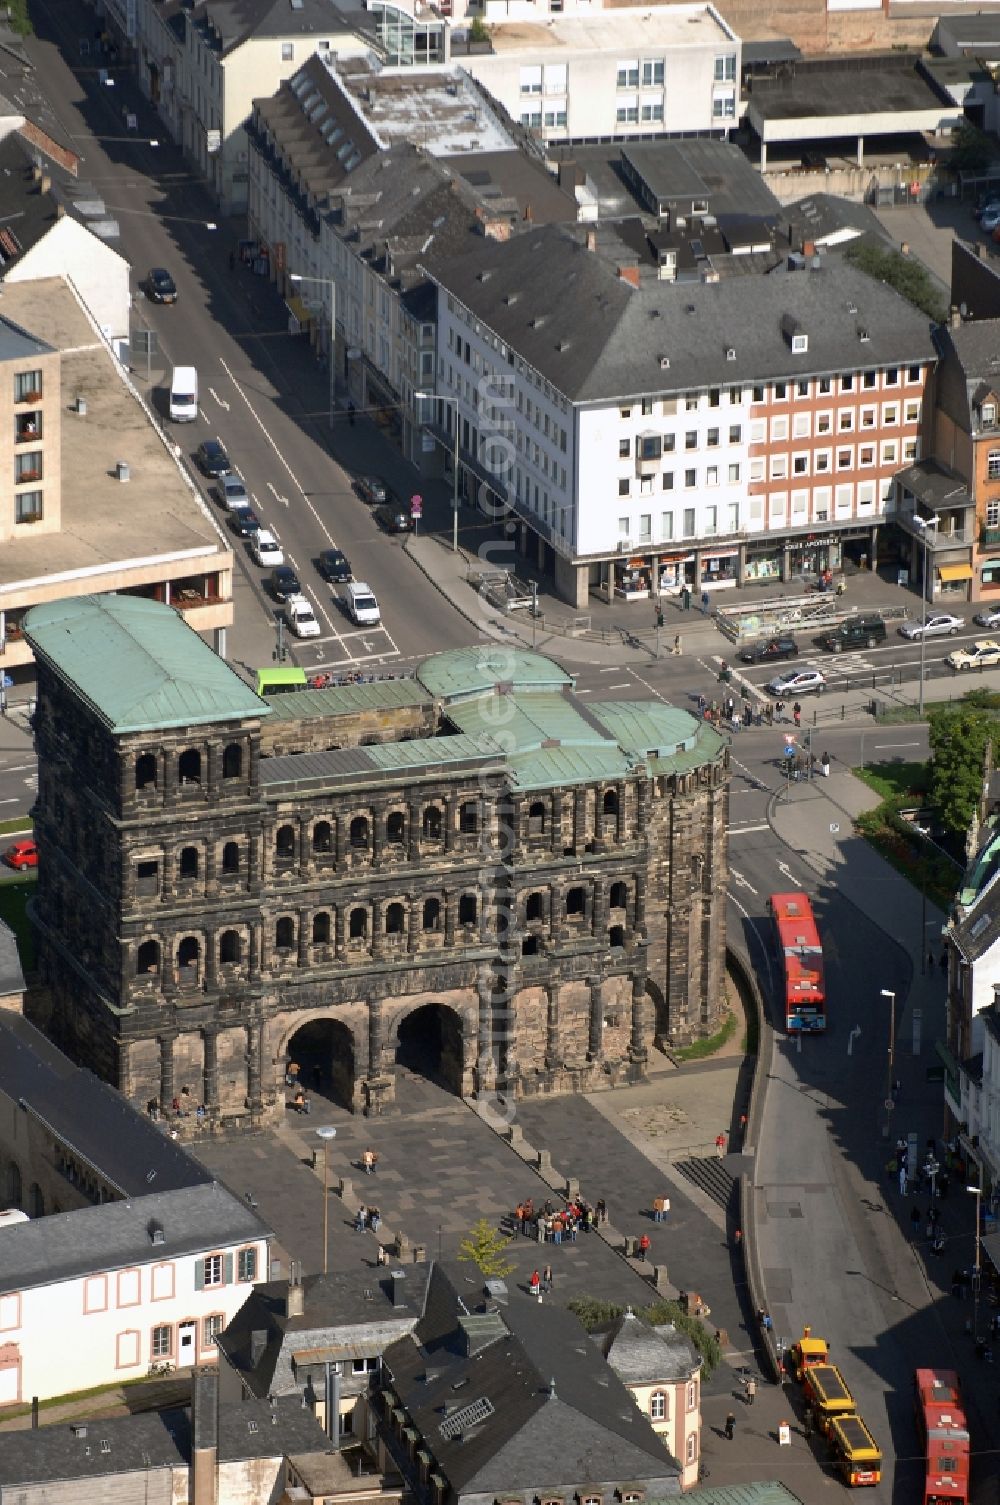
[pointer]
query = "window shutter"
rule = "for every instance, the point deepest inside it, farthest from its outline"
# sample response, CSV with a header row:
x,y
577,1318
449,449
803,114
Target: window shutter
x,y
227,1269
199,1275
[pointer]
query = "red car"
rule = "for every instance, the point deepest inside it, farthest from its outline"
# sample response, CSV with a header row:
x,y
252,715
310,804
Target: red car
x,y
20,855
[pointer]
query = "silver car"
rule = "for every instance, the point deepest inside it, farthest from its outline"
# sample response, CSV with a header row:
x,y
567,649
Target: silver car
x,y
988,618
799,682
941,624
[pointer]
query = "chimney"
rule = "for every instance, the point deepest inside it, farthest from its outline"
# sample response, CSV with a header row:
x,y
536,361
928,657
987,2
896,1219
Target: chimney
x,y
528,214
45,183
203,1486
954,317
258,1342
294,1299
809,248
591,240
398,1291
904,248
629,275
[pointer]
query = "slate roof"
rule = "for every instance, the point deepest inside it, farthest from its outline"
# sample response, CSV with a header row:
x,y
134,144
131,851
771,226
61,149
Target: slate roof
x,y
137,663
642,1355
969,366
345,1312
518,180
237,21
821,217
118,1234
316,129
934,484
151,1442
93,1120
597,339
544,1409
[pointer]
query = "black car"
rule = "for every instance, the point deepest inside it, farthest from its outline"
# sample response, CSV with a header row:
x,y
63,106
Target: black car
x,y
769,651
856,632
212,459
372,489
244,523
284,582
335,566
393,519
160,286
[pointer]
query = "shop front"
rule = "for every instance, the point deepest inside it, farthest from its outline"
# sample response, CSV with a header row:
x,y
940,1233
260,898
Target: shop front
x,y
675,572
988,587
811,556
952,582
764,562
633,578
720,569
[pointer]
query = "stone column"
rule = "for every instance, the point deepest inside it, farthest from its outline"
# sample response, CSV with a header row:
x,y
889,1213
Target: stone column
x,y
416,920
305,845
168,1079
414,819
211,867
339,929
341,830
600,907
376,1037
255,1067
637,1050
450,815
170,777
556,842
580,820
214,769
378,929
621,824
485,1061
552,1027
210,1090
304,937
378,835
595,1043
450,917
211,961
169,867
640,904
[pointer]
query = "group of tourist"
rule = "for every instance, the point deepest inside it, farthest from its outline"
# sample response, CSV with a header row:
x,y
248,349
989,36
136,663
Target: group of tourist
x,y
551,1224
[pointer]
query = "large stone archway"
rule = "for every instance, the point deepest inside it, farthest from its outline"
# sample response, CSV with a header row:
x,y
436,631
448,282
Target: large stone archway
x,y
323,1049
431,1042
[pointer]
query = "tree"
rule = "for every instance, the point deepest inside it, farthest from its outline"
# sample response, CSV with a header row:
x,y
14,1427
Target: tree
x,y
971,150
958,746
485,1246
906,275
478,31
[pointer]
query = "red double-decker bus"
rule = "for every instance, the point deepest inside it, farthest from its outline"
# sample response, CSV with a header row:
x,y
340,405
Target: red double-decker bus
x,y
944,1435
800,952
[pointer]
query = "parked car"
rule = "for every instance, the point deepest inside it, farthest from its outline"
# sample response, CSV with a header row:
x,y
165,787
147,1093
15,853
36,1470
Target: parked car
x,y
232,493
371,489
856,632
21,854
244,522
266,549
769,651
283,583
301,618
211,459
988,205
978,656
393,519
335,566
989,618
941,625
989,220
798,682
160,286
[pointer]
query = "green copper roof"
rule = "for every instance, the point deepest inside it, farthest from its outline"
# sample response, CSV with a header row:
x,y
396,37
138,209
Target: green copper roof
x,y
647,728
473,671
342,700
138,663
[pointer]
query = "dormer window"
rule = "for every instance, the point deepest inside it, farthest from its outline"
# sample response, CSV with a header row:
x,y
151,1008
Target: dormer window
x,y
800,344
989,413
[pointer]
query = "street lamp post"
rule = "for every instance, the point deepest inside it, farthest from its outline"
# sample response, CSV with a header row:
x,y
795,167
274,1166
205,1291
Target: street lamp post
x,y
298,277
925,524
437,397
888,993
326,1133
976,1269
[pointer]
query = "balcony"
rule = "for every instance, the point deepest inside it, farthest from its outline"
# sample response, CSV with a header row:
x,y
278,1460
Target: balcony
x,y
989,537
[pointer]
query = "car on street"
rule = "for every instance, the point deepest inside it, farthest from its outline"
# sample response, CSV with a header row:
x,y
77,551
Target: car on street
x,y
856,632
989,618
335,566
283,583
989,220
211,459
980,655
393,519
797,682
770,650
244,522
371,489
941,624
266,549
988,205
160,286
21,854
301,618
232,493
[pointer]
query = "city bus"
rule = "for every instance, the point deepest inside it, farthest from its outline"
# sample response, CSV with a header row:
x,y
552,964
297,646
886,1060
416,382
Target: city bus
x,y
944,1436
800,952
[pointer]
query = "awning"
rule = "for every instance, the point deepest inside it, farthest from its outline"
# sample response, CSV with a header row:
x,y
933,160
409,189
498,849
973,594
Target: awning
x,y
955,572
299,310
989,564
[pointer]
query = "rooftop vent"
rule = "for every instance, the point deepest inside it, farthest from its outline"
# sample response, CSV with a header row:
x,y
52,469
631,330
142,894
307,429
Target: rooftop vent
x,y
122,472
852,308
484,275
156,1234
664,363
81,406
511,298
730,353
538,321
863,335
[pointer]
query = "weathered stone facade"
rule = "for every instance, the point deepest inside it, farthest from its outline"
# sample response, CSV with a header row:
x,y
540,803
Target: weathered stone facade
x,y
207,913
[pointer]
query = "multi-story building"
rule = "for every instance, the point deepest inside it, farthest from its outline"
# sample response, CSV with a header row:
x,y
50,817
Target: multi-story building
x,y
474,871
127,1248
661,1370
96,496
703,434
610,75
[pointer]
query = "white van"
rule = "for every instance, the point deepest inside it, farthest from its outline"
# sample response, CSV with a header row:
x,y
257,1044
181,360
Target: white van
x,y
362,605
184,394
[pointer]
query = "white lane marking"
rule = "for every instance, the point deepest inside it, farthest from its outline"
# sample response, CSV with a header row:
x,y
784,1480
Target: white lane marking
x,y
220,400
754,923
584,692
624,684
885,746
745,831
742,882
277,495
786,871
612,670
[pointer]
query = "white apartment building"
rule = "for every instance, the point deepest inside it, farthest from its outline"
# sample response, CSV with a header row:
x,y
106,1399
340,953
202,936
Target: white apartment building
x,y
95,1296
608,76
653,437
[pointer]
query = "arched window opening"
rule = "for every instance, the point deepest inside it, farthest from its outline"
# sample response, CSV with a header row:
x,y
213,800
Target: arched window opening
x,y
432,823
145,771
533,907
536,818
229,948
395,827
232,761
432,914
394,919
284,934
468,818
188,865
618,898
359,833
575,901
321,928
358,924
322,836
231,857
189,766
610,804
616,937
284,844
148,957
468,908
529,946
188,952
36,1202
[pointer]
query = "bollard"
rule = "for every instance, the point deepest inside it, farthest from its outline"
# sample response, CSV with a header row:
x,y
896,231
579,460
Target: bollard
x,y
572,1188
660,1280
346,1189
544,1160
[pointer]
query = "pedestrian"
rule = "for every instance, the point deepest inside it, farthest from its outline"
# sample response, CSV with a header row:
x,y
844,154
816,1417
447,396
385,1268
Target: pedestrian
x,y
807,1422
601,1209
361,1220
751,1390
374,1219
902,1179
350,413
914,1221
644,1247
661,1209
686,598
779,710
824,765
737,1237
769,713
943,963
797,714
368,1162
730,1426
292,1074
720,1145
547,1278
705,602
534,1284
678,650
702,705
930,961
768,1324
743,1127
382,1258
747,713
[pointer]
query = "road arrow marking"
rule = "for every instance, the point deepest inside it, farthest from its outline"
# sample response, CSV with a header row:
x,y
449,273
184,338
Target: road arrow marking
x,y
786,871
740,881
220,400
277,495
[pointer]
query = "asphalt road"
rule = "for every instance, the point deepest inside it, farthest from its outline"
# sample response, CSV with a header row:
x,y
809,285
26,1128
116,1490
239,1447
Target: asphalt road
x,y
261,392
